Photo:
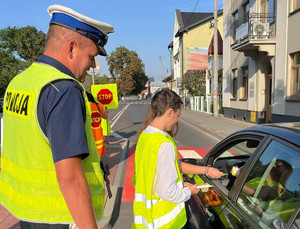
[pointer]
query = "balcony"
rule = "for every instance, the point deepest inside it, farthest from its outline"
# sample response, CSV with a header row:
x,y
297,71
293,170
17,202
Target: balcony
x,y
256,33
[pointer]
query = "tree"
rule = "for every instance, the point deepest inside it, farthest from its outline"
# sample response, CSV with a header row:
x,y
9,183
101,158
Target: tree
x,y
128,69
19,47
125,83
194,82
97,80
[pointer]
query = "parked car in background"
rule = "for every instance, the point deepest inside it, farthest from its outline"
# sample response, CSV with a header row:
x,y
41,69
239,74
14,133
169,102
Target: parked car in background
x,y
261,188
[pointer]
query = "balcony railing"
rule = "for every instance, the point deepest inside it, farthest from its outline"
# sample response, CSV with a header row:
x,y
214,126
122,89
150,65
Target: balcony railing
x,y
255,26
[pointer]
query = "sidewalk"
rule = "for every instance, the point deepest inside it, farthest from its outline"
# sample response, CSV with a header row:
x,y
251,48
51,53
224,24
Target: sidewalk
x,y
115,155
220,127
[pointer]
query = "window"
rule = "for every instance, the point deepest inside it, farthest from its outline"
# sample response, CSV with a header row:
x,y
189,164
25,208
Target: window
x,y
235,154
295,76
295,4
246,9
271,192
268,7
234,18
244,89
234,83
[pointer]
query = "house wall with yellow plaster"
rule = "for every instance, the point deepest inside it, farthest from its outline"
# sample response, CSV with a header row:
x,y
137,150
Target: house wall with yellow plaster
x,y
200,36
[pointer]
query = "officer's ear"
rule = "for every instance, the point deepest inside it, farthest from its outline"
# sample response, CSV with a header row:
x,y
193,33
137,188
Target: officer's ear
x,y
71,49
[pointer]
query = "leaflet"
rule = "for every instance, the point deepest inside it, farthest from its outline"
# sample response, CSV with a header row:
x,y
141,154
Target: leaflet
x,y
204,186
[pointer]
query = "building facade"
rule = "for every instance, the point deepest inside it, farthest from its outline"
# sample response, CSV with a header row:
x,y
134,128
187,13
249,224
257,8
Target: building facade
x,y
261,60
192,35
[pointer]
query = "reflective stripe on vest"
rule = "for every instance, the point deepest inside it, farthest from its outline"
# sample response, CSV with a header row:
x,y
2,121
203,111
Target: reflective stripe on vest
x,y
149,210
162,221
28,183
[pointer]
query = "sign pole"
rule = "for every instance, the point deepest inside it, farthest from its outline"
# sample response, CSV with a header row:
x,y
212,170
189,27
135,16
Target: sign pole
x,y
107,140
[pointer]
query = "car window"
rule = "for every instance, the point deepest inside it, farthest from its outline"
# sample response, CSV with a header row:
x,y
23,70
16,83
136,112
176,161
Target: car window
x,y
231,157
245,147
271,192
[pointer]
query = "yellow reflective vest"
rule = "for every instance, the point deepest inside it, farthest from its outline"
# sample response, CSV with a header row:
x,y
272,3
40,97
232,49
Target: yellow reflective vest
x,y
149,211
28,183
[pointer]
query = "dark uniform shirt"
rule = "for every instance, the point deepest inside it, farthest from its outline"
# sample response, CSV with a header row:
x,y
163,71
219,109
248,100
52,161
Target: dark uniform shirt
x,y
61,114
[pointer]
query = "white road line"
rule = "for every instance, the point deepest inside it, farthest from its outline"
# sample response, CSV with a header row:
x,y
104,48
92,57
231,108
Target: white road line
x,y
189,154
115,119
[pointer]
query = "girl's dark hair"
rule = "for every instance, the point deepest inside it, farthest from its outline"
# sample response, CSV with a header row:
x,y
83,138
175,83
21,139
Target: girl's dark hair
x,y
164,100
161,101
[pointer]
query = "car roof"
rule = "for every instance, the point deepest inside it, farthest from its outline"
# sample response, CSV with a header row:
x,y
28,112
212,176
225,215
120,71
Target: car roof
x,y
287,132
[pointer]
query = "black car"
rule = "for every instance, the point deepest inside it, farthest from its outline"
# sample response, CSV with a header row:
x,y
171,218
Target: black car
x,y
261,188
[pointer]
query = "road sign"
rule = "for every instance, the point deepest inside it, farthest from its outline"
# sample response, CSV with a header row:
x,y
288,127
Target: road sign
x,y
106,94
97,69
96,120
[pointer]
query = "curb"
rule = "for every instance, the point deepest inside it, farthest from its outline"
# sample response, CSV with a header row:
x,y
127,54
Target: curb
x,y
109,215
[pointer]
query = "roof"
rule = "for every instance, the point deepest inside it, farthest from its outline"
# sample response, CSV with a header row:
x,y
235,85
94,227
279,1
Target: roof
x,y
220,45
167,79
290,133
190,18
158,84
187,20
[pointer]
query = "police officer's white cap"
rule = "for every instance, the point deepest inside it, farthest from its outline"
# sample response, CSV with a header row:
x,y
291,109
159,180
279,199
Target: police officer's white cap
x,y
95,30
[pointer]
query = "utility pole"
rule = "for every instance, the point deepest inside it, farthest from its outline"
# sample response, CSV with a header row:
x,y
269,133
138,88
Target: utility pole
x,y
215,93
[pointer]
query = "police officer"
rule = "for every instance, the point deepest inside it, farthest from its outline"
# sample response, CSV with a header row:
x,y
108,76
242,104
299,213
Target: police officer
x,y
50,173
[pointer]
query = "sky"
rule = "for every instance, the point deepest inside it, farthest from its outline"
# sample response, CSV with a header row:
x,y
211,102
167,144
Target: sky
x,y
142,26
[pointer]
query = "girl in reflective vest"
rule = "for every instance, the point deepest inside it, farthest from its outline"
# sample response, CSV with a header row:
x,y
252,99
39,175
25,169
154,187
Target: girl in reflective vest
x,y
160,192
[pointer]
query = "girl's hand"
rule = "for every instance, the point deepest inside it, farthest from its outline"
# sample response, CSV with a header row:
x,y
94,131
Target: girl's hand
x,y
213,172
192,187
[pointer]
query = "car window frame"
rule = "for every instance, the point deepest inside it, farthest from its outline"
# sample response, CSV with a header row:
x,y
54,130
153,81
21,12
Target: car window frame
x,y
214,153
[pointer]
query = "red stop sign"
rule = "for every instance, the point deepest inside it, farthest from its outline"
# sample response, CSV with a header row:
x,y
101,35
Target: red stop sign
x,y
96,120
105,96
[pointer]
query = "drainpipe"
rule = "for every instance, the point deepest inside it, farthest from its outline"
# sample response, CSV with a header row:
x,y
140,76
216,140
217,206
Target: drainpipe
x,y
182,63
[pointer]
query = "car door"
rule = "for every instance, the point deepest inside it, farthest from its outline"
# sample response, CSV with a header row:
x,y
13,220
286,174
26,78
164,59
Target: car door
x,y
234,151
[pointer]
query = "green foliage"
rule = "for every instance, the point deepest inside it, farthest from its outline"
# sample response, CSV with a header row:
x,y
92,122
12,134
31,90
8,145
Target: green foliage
x,y
125,83
19,47
97,80
128,70
194,82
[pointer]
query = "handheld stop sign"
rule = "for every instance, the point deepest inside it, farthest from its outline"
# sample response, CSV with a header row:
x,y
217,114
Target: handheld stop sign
x,y
106,94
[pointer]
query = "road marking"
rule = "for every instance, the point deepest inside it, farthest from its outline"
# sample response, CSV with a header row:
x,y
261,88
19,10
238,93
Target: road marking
x,y
115,119
189,154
